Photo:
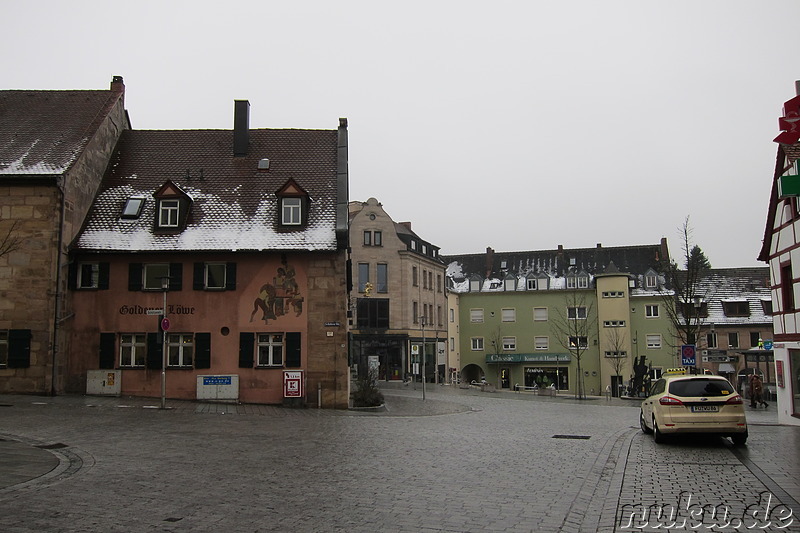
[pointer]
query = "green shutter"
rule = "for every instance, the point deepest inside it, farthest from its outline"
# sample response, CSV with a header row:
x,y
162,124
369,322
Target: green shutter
x,y
293,359
175,276
202,344
19,348
246,349
135,276
198,281
155,349
107,350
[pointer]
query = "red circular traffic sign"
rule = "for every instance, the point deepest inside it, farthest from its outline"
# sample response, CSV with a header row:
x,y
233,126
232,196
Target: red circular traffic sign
x,y
165,324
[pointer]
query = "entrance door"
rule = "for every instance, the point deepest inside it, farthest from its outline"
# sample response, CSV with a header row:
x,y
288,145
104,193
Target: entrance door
x,y
505,378
616,386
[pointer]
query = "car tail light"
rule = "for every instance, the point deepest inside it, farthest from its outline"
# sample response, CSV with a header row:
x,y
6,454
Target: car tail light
x,y
669,400
736,400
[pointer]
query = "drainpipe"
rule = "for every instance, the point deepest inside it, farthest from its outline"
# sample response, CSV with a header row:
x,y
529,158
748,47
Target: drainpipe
x,y
57,306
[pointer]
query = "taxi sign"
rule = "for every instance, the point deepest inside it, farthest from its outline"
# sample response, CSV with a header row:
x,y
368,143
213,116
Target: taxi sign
x,y
688,355
675,371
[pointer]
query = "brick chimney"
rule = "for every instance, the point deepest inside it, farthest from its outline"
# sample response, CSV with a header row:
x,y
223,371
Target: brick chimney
x,y
241,127
117,85
489,262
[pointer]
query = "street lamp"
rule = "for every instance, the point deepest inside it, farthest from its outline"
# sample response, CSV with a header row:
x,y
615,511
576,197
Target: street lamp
x,y
164,288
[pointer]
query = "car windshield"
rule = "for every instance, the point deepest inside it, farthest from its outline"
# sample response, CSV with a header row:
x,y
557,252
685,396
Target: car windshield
x,y
701,387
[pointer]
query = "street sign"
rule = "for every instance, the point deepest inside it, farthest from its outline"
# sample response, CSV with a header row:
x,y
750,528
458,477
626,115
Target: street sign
x,y
688,355
165,324
154,312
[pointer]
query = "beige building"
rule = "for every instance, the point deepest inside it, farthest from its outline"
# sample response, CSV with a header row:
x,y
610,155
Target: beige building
x,y
54,148
397,300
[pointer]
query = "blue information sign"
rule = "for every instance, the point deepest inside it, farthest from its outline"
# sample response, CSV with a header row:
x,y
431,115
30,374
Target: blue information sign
x,y
688,355
216,380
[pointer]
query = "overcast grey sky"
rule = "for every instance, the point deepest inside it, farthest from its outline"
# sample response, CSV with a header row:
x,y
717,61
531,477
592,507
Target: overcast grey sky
x,y
515,125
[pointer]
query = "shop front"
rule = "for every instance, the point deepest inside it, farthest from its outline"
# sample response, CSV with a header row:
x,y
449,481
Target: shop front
x,y
546,370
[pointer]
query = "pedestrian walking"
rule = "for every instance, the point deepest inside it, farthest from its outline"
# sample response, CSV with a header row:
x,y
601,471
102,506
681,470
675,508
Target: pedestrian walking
x,y
756,391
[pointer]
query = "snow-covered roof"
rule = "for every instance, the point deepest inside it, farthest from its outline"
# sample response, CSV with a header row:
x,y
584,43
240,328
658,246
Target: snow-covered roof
x,y
234,204
722,286
42,133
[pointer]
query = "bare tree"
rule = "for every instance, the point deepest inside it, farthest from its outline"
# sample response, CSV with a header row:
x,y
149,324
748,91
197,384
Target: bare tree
x,y
496,340
617,341
10,240
574,325
683,294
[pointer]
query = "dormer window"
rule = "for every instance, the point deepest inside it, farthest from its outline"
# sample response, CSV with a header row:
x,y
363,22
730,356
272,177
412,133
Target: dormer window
x,y
172,208
168,213
291,211
293,203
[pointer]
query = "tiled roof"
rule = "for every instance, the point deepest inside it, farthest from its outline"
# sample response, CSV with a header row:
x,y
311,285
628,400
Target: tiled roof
x,y
43,132
557,263
749,284
234,206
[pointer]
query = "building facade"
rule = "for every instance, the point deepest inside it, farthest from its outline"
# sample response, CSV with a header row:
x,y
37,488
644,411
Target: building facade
x,y
216,258
55,147
398,302
569,319
781,251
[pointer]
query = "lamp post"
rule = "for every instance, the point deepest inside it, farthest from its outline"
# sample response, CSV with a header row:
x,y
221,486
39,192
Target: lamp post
x,y
422,320
164,321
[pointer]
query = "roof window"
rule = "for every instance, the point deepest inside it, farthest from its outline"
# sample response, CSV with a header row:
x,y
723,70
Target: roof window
x,y
133,207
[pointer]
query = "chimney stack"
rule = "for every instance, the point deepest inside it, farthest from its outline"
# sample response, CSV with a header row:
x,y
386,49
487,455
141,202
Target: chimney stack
x,y
241,127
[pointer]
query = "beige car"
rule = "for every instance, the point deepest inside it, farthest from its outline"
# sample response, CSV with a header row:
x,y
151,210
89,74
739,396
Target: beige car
x,y
684,403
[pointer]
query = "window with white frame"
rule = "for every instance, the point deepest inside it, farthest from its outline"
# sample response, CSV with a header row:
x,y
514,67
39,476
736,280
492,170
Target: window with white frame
x,y
180,349
578,342
531,284
616,353
583,282
613,323
88,276
540,314
651,281
270,349
508,315
654,341
132,349
571,282
651,311
477,343
541,343
168,213
291,211
613,294
476,315
153,274
711,340
452,315
509,344
576,313
215,275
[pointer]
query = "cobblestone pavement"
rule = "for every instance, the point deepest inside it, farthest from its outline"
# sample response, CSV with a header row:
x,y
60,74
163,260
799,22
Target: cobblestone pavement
x,y
462,460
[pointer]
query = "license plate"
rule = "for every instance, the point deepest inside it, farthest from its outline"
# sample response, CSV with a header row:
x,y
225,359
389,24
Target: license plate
x,y
705,409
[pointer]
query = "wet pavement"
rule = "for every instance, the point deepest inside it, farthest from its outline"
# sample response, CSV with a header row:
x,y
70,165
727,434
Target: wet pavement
x,y
461,460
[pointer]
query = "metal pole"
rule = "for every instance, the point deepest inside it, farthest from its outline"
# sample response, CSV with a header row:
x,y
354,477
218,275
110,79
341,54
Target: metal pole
x,y
422,320
164,286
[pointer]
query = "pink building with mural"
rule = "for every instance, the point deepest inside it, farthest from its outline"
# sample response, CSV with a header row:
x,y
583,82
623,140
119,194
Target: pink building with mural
x,y
243,233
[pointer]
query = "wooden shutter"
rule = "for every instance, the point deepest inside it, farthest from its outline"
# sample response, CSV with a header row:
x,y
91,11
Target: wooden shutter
x,y
230,277
107,350
103,276
175,276
155,349
19,348
135,277
246,349
293,350
202,345
198,277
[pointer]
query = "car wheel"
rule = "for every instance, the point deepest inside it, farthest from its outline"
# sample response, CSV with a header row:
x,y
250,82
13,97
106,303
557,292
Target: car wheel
x,y
646,430
657,435
739,439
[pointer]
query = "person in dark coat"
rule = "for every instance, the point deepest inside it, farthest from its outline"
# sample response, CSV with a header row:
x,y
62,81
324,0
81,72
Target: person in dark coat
x,y
756,391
